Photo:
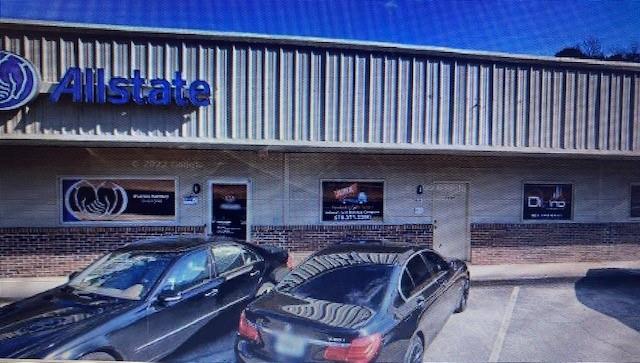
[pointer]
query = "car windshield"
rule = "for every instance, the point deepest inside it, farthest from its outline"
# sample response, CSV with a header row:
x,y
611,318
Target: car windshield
x,y
361,285
125,275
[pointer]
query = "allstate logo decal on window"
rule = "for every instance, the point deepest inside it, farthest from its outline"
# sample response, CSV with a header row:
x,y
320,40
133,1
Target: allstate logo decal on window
x,y
19,81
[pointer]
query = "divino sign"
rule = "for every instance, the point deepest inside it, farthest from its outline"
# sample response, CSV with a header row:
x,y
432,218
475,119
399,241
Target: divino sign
x,y
91,86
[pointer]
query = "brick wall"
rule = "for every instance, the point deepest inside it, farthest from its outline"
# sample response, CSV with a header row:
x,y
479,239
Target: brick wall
x,y
315,237
554,242
29,252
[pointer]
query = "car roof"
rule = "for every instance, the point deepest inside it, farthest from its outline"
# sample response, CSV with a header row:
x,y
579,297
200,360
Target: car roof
x,y
171,243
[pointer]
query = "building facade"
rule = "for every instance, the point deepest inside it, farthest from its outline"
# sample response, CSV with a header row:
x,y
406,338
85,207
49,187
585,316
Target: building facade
x,y
494,158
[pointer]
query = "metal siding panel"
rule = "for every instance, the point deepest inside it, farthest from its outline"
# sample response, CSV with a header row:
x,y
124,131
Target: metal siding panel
x,y
376,101
484,102
614,116
360,99
497,106
270,96
418,102
625,107
331,97
316,102
444,103
402,109
591,117
458,104
293,95
580,111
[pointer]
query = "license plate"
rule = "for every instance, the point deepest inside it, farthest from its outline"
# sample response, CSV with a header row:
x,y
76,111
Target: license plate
x,y
290,346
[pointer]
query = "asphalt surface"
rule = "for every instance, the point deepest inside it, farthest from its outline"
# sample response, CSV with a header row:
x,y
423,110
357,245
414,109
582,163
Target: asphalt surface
x,y
596,318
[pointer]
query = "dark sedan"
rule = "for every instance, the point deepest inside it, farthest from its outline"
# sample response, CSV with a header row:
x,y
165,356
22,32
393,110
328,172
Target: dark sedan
x,y
355,303
141,301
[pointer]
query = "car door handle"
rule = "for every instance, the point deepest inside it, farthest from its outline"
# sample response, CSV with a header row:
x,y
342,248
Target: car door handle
x,y
212,292
254,273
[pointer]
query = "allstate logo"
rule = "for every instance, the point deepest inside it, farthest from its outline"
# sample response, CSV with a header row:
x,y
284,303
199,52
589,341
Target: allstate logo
x,y
99,201
19,81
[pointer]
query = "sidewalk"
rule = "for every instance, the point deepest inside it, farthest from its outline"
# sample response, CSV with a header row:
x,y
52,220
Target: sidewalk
x,y
544,272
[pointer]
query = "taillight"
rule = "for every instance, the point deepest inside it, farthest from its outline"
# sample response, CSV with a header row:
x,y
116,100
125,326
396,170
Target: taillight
x,y
290,263
247,329
360,350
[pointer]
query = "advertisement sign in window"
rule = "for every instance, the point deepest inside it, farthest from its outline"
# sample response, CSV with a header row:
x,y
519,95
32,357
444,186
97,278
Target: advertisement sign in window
x,y
352,200
635,201
547,201
118,200
229,214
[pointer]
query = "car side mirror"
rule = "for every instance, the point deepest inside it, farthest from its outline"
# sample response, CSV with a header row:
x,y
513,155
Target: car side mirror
x,y
73,275
168,297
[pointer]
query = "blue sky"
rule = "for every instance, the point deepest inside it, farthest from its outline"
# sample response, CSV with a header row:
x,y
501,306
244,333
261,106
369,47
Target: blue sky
x,y
531,27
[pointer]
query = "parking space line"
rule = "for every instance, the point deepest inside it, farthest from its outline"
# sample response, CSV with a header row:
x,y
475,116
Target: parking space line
x,y
506,321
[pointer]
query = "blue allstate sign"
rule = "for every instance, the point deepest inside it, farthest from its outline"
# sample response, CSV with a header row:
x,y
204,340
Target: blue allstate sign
x,y
19,81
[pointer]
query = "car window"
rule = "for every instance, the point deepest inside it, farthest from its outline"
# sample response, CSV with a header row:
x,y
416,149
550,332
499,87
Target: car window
x,y
435,262
191,270
358,285
227,258
406,284
127,275
419,270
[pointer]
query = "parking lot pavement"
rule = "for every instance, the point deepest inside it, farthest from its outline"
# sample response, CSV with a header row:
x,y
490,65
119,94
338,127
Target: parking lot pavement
x,y
212,344
596,318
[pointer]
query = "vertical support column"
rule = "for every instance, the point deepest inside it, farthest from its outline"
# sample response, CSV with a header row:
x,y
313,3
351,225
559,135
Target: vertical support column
x,y
285,190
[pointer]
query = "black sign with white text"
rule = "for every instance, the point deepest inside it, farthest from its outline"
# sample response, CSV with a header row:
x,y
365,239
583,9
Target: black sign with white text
x,y
547,201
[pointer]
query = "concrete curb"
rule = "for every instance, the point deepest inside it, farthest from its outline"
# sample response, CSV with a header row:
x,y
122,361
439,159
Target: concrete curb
x,y
526,281
549,273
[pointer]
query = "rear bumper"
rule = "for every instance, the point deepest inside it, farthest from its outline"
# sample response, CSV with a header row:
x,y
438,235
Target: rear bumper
x,y
243,355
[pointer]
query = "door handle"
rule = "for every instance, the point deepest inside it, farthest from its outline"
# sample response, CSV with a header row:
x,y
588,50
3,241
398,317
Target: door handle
x,y
212,292
254,273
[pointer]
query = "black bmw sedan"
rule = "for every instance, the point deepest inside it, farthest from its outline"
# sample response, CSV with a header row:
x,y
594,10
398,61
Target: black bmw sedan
x,y
355,303
140,302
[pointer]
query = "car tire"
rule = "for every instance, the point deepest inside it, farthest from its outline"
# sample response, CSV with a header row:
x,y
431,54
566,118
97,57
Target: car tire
x,y
98,356
415,351
462,304
265,288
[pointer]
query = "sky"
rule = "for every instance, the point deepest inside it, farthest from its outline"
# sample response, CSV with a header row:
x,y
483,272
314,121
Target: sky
x,y
527,27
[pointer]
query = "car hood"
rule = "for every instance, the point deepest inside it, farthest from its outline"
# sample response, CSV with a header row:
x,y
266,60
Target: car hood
x,y
31,327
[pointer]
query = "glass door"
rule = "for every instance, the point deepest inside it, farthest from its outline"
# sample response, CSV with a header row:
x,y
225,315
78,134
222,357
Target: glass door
x,y
229,210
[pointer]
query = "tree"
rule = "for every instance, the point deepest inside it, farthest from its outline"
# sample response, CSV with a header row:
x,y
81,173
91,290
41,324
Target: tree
x,y
592,48
572,52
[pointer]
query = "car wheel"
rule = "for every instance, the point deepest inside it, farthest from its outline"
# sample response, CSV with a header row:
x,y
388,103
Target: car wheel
x,y
99,356
415,352
462,304
265,288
